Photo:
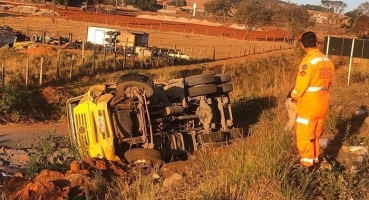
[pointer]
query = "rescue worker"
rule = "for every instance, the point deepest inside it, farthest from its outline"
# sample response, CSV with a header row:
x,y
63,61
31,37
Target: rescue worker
x,y
312,98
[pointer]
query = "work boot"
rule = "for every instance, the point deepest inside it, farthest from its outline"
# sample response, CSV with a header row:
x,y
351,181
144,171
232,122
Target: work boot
x,y
307,162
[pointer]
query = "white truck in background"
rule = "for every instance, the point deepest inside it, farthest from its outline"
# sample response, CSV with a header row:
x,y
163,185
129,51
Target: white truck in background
x,y
98,35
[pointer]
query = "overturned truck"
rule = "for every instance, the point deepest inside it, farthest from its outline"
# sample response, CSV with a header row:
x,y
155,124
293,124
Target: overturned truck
x,y
140,121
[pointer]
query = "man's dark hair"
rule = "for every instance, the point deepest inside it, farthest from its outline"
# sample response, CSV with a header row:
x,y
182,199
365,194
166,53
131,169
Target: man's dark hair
x,y
308,39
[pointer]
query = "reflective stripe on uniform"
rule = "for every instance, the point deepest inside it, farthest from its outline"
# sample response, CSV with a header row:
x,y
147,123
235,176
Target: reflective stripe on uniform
x,y
308,160
302,120
294,91
318,59
316,89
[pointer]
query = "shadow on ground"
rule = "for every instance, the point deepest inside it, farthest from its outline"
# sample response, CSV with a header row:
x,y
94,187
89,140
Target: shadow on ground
x,y
348,128
8,15
246,112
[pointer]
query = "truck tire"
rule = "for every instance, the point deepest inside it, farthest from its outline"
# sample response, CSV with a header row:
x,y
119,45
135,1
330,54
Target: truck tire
x,y
224,88
143,156
202,90
222,78
199,79
137,80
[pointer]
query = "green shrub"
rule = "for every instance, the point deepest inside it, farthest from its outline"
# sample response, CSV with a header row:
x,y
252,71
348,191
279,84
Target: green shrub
x,y
48,155
12,100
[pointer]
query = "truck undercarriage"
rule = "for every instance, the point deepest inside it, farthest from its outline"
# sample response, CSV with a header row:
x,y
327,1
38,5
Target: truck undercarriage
x,y
138,120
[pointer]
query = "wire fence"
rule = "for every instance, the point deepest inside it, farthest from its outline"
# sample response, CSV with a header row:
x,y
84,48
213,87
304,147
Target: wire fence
x,y
67,65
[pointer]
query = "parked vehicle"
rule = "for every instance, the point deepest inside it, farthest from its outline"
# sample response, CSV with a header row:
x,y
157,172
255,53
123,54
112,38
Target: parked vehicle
x,y
178,55
140,121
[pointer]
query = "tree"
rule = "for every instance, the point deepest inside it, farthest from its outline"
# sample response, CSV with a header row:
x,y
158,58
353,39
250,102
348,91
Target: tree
x,y
334,6
141,4
361,26
334,9
63,2
60,2
178,3
351,18
314,7
95,4
220,7
364,8
253,12
295,18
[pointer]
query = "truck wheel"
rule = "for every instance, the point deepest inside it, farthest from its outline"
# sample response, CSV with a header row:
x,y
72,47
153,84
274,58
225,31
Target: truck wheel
x,y
199,79
143,156
138,80
222,78
224,88
202,90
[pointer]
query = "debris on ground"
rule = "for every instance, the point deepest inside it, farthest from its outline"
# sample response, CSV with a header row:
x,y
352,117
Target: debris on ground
x,y
356,149
54,95
361,110
168,182
57,185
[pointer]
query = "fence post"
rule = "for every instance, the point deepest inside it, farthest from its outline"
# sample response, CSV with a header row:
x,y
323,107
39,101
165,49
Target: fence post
x,y
115,56
214,53
27,72
71,68
3,75
29,33
174,55
57,71
229,54
125,54
83,53
41,70
94,61
134,56
105,64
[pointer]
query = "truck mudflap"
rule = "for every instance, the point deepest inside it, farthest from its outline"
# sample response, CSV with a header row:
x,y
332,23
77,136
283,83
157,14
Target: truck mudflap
x,y
219,136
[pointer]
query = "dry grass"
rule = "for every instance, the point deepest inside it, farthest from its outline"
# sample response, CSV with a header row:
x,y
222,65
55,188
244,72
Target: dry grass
x,y
261,166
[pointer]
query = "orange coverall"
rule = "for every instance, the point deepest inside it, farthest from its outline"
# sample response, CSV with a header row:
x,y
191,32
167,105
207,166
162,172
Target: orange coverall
x,y
312,101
